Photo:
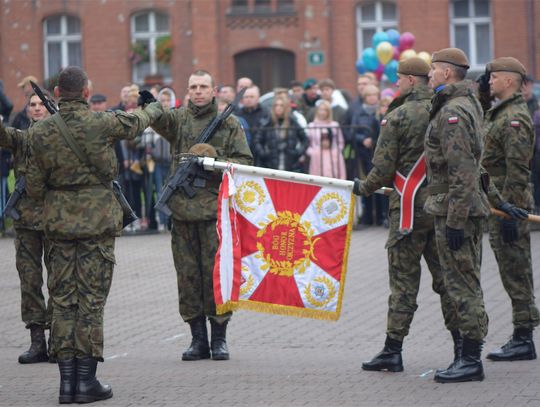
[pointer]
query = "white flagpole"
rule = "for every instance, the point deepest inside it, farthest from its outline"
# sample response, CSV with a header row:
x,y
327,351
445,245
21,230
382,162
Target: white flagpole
x,y
210,164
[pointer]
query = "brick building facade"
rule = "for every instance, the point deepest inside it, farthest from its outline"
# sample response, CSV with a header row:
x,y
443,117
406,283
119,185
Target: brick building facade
x,y
273,41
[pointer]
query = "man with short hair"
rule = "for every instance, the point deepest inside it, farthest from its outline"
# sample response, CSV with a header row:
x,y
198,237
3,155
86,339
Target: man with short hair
x,y
296,92
226,93
399,159
71,166
242,83
509,147
327,87
253,113
30,243
194,235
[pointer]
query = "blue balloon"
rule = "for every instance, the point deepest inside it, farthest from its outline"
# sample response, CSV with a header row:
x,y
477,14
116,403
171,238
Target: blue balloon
x,y
370,59
379,37
393,36
360,67
390,70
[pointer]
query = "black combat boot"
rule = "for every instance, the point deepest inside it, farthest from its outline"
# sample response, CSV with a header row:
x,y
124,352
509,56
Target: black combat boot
x,y
88,388
468,368
388,359
68,380
199,348
458,345
38,348
519,347
218,341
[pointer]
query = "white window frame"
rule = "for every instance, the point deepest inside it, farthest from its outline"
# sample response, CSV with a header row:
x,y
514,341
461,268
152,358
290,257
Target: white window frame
x,y
63,38
379,24
151,35
471,22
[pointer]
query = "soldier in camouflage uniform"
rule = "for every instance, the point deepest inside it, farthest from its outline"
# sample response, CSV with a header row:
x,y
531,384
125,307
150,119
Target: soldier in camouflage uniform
x,y
81,218
30,243
399,148
453,147
509,147
194,236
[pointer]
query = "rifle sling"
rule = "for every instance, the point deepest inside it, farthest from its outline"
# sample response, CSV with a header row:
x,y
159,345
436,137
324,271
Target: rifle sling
x,y
68,138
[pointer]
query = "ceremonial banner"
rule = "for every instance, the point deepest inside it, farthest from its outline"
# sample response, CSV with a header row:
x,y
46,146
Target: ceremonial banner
x,y
283,246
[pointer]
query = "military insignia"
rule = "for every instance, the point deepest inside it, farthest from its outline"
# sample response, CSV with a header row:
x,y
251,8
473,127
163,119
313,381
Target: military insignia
x,y
515,123
453,120
383,122
250,196
320,292
332,207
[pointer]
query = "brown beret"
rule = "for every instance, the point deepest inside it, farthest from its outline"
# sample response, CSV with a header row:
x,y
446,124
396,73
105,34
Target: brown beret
x,y
453,56
413,66
507,64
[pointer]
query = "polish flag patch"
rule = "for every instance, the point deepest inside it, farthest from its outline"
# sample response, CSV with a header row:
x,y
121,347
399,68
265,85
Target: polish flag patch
x,y
453,120
515,123
383,122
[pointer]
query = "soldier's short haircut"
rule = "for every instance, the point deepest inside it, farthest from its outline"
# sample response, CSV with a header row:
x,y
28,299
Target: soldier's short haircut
x,y
71,82
460,72
202,72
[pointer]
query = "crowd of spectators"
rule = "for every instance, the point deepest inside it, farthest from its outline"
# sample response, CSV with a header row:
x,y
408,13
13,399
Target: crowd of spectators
x,y
308,127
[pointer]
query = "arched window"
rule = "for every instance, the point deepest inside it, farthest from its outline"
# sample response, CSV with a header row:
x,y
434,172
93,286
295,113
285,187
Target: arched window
x,y
62,43
151,45
470,30
374,17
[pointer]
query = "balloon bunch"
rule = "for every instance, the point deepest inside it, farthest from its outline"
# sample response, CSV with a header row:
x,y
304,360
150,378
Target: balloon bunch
x,y
389,47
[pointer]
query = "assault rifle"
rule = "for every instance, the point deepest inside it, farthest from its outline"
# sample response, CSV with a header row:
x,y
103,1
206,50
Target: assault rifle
x,y
9,210
188,173
48,103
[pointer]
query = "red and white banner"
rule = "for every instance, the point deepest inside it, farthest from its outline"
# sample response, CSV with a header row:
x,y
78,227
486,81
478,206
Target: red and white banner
x,y
283,246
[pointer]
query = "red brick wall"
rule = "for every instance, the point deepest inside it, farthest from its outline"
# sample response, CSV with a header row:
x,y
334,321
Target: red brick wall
x,y
202,38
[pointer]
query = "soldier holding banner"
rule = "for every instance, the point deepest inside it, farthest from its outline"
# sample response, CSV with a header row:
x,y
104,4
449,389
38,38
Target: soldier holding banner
x,y
399,158
509,147
194,236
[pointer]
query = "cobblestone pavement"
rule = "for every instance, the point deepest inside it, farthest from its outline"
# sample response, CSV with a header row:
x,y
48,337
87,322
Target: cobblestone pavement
x,y
275,360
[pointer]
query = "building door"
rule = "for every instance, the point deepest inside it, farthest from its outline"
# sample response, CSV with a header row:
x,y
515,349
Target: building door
x,y
267,67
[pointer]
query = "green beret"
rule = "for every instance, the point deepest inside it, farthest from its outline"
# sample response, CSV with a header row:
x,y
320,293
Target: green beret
x,y
413,66
453,56
506,64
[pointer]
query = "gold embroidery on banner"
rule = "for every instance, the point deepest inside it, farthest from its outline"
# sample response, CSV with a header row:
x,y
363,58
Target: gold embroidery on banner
x,y
279,258
246,282
249,196
331,203
321,295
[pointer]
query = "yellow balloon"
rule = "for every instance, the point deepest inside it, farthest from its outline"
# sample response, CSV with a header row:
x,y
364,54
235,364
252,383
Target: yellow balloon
x,y
408,53
385,52
426,56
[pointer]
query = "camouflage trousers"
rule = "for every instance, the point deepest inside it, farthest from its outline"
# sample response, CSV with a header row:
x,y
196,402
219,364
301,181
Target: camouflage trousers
x,y
515,268
29,248
461,276
194,246
81,277
404,269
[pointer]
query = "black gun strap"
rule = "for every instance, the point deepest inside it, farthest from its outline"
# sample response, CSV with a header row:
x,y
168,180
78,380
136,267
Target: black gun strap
x,y
68,138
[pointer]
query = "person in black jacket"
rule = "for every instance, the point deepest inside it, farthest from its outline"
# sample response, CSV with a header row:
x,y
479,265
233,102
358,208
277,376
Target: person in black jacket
x,y
280,143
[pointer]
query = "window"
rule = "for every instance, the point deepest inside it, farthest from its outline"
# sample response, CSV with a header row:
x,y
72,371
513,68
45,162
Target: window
x,y
470,30
151,45
371,18
62,45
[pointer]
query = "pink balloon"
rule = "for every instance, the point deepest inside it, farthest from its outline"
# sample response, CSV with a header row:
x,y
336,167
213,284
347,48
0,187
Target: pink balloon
x,y
397,52
406,41
379,71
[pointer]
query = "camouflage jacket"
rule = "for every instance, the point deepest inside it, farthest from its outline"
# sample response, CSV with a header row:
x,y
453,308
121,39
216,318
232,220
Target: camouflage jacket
x,y
30,209
181,127
76,204
453,147
508,150
400,143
